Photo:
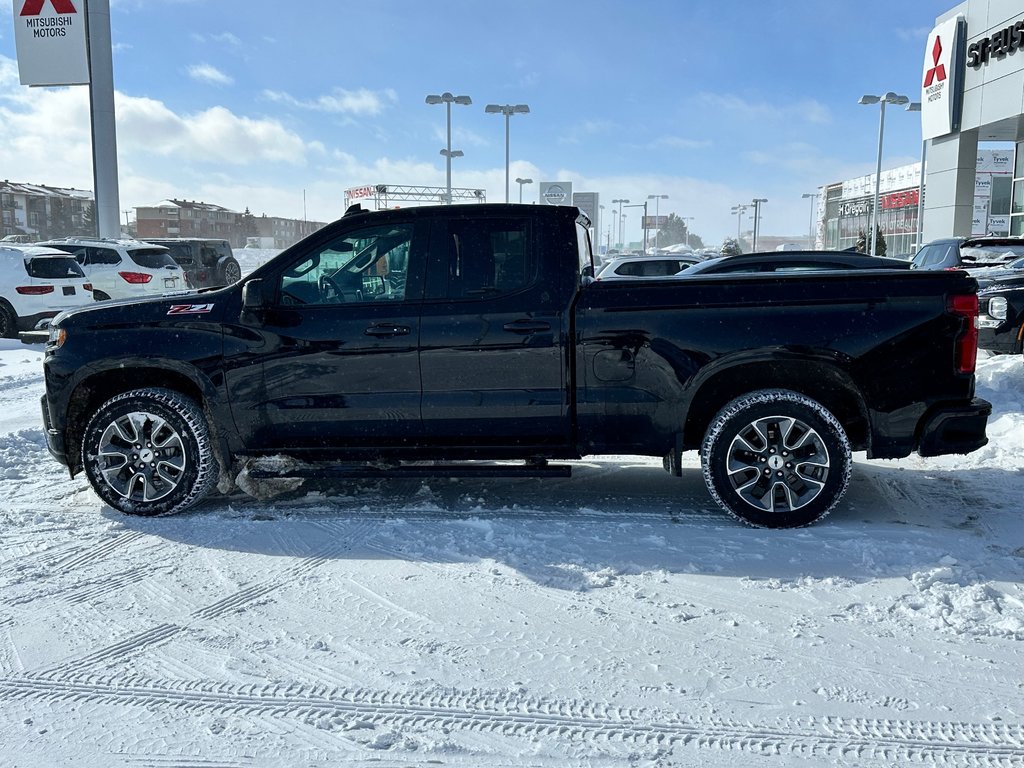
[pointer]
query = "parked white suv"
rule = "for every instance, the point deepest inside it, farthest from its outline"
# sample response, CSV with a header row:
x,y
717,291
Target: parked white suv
x,y
37,283
121,269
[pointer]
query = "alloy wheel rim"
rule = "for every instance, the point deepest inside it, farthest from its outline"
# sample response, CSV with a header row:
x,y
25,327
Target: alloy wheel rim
x,y
777,464
141,457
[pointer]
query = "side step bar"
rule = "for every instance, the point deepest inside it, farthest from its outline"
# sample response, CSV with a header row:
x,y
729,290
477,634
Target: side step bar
x,y
345,471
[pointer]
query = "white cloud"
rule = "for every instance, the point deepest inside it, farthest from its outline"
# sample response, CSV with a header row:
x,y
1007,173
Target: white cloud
x,y
578,133
362,102
805,110
223,38
207,73
678,142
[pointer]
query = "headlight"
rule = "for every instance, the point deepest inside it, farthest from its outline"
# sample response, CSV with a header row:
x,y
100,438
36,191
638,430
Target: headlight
x,y
997,307
57,337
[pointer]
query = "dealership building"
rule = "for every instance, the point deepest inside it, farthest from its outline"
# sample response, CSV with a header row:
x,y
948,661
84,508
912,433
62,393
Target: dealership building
x,y
972,90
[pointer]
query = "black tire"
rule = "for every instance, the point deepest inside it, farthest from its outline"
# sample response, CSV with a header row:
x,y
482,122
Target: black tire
x,y
230,272
148,452
8,322
776,459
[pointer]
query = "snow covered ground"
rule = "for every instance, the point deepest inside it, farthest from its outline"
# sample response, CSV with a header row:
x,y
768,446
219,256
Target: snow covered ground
x,y
615,618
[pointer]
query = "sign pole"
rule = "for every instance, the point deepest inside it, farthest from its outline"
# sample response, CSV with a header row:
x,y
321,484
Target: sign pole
x,y
104,133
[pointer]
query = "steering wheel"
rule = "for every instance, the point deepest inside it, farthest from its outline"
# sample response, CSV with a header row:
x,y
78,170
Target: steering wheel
x,y
330,292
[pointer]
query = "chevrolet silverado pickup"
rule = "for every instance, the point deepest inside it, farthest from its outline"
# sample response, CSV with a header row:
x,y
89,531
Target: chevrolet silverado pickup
x,y
474,339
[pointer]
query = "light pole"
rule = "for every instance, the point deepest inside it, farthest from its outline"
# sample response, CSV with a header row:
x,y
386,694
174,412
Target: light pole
x,y
757,215
915,106
447,99
507,110
657,224
888,98
521,182
643,221
600,221
687,230
739,210
622,227
810,227
620,201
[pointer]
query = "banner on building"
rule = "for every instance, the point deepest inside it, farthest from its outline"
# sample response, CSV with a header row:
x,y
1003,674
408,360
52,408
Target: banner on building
x,y
50,38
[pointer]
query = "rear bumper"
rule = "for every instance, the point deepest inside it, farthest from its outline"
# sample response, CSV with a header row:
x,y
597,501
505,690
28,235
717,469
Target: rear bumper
x,y
954,429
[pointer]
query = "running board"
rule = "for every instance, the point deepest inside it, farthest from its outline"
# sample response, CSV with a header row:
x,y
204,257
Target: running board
x,y
335,471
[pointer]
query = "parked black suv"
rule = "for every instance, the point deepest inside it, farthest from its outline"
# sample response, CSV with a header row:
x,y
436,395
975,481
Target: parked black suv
x,y
968,253
207,263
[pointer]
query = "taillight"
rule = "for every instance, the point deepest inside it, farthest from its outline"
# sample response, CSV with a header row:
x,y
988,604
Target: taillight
x,y
87,286
135,278
34,290
966,306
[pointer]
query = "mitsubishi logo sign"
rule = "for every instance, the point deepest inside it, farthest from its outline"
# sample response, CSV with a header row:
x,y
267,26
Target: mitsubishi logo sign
x,y
938,71
35,7
50,38
942,79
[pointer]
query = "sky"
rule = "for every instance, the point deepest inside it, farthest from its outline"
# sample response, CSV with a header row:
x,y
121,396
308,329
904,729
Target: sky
x,y
280,107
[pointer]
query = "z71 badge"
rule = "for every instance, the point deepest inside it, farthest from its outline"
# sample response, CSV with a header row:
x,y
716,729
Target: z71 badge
x,y
190,309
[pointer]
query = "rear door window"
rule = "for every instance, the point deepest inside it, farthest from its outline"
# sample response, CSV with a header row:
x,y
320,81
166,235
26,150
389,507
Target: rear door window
x,y
489,257
102,256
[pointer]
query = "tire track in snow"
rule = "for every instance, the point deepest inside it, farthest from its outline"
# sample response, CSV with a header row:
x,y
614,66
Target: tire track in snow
x,y
837,738
232,603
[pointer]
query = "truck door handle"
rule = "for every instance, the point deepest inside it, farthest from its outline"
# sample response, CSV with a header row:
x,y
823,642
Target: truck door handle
x,y
527,326
388,330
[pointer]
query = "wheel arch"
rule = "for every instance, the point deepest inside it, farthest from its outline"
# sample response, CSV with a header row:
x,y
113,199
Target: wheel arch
x,y
99,386
819,380
6,306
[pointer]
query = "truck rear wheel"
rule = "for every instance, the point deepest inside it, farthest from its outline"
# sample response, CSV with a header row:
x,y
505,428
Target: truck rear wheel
x,y
776,459
148,452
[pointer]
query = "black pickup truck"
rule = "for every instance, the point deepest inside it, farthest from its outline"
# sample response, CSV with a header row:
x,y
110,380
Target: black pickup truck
x,y
437,339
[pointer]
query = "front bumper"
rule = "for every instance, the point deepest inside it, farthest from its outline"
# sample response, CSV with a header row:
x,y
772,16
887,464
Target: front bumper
x,y
999,339
54,437
954,429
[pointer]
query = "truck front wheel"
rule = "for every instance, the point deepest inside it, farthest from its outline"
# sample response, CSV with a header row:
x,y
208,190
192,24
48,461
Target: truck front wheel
x,y
148,452
776,459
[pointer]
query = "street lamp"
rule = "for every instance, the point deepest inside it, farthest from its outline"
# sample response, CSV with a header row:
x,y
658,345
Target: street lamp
x,y
620,201
810,230
642,221
687,228
915,106
888,98
657,224
507,110
739,210
447,99
757,215
520,182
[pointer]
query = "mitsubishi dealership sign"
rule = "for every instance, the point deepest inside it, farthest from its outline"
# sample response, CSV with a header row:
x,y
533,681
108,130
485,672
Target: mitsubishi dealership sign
x,y
50,39
942,84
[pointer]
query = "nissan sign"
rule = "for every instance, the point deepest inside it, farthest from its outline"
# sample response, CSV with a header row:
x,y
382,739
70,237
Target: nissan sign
x,y
556,192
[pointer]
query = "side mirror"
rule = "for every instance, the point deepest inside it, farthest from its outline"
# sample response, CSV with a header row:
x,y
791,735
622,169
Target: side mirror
x,y
254,295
